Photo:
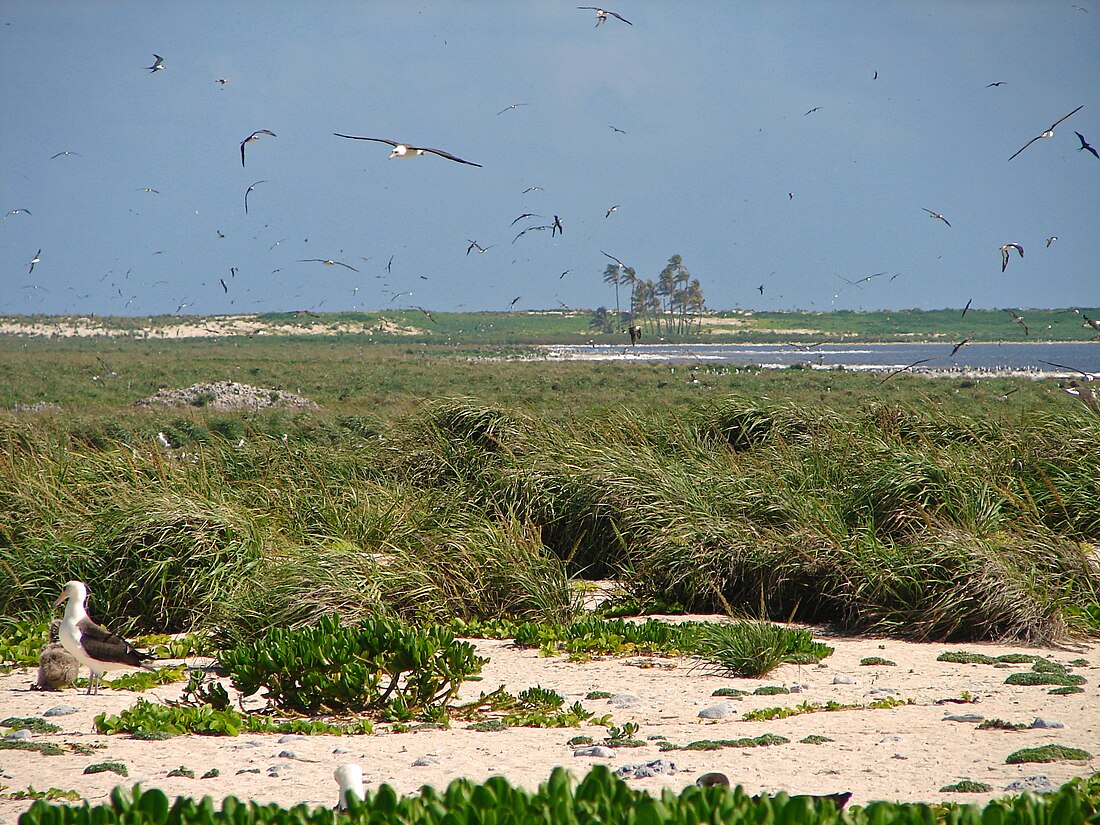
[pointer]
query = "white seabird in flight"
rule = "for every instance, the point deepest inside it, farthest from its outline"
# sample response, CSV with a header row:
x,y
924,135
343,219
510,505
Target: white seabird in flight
x,y
404,150
601,15
94,646
254,136
1004,253
328,262
158,64
1049,133
936,216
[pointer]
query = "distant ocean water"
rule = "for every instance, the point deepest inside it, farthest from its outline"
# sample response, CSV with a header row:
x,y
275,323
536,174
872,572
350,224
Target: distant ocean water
x,y
1026,357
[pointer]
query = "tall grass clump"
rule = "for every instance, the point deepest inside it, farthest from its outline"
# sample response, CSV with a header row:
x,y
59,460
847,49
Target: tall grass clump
x,y
755,649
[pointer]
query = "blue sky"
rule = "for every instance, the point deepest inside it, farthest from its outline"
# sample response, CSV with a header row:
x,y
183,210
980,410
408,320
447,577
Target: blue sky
x,y
710,97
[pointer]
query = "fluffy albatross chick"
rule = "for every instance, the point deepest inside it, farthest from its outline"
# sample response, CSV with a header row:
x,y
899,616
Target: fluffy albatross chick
x,y
56,667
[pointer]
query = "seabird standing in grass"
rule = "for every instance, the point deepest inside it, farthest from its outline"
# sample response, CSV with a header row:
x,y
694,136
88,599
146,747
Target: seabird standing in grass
x,y
404,150
1004,253
92,645
1049,133
254,136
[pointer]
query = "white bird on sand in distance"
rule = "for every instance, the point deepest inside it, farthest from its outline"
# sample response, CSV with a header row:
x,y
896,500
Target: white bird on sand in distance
x,y
158,64
249,189
328,262
1051,240
475,245
37,259
1019,320
1004,253
1086,145
936,216
1049,133
601,15
254,136
404,150
94,646
350,778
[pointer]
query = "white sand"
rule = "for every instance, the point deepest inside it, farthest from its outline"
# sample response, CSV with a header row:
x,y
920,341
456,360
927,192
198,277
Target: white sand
x,y
906,753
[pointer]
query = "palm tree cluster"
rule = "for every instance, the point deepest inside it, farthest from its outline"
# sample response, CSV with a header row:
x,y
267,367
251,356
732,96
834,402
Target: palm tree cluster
x,y
670,304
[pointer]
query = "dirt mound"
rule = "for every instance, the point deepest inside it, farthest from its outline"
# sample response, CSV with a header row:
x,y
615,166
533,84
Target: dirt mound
x,y
227,395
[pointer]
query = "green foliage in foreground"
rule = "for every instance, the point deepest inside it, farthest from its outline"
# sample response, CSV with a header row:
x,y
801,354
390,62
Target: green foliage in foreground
x,y
374,665
599,797
147,720
21,641
967,786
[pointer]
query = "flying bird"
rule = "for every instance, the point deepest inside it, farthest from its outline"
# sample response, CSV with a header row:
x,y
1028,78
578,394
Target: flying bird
x,y
525,215
224,286
936,216
557,227
1019,320
959,346
66,154
965,308
37,259
17,211
254,136
249,189
562,276
148,189
601,15
221,81
513,106
616,129
1051,240
902,369
531,189
158,64
475,245
1085,145
616,260
761,288
1090,322
530,229
1004,253
404,150
814,109
611,209
428,314
328,262
94,646
1049,133
998,83
514,302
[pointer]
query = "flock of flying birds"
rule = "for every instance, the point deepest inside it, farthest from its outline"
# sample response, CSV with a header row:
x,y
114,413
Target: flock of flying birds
x,y
402,150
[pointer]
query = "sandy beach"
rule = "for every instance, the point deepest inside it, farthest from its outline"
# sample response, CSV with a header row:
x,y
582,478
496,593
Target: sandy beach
x,y
905,753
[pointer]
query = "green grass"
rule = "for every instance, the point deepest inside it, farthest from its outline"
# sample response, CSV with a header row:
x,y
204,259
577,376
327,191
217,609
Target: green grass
x,y
431,487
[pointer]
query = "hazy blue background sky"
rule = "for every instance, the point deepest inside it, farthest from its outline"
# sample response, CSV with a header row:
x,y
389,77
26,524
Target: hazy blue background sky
x,y
711,97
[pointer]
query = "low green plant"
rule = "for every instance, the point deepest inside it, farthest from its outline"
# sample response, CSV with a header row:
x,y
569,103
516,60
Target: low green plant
x,y
182,771
32,723
1066,690
1001,724
624,736
211,774
21,642
877,660
49,794
771,690
174,720
488,726
764,740
597,694
963,657
1047,753
755,649
763,714
114,767
727,691
44,748
140,681
378,663
967,786
1033,678
814,739
593,636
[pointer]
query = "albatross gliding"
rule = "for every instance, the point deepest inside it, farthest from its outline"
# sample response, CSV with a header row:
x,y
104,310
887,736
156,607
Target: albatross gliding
x,y
94,646
404,150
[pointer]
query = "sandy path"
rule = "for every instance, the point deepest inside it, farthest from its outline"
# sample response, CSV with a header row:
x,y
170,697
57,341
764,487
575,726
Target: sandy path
x,y
906,753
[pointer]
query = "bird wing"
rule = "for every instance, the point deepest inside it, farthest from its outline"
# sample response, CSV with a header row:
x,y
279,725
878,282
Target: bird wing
x,y
620,17
243,142
346,266
376,140
105,646
1025,146
612,257
1067,117
1004,258
446,155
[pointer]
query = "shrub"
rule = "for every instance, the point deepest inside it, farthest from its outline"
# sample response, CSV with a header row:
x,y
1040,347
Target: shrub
x,y
379,663
755,649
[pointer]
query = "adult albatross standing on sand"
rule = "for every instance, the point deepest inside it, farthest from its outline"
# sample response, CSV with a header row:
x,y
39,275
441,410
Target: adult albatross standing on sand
x,y
90,644
350,777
